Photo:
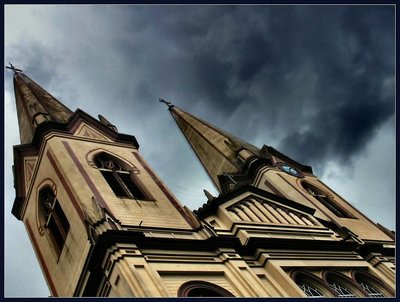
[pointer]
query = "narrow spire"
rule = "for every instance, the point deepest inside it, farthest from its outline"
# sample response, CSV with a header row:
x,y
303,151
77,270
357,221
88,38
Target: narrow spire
x,y
216,149
35,106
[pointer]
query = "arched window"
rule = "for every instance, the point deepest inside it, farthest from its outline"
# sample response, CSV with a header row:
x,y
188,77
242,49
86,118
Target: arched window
x,y
54,218
373,286
309,289
341,290
342,285
326,200
311,285
197,288
372,291
118,177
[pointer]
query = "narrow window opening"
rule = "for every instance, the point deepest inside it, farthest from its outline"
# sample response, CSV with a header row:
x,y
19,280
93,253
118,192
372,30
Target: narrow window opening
x,y
55,220
113,182
131,186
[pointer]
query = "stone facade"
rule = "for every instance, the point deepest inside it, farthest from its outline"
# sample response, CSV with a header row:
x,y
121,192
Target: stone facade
x,y
103,224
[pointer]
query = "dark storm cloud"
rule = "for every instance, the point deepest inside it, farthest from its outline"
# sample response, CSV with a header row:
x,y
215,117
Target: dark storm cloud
x,y
313,74
353,99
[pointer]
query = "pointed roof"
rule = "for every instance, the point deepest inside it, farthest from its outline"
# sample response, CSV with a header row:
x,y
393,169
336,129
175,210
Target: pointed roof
x,y
35,106
216,149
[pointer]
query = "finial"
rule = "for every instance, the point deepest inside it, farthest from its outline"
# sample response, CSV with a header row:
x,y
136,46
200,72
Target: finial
x,y
166,103
208,195
13,68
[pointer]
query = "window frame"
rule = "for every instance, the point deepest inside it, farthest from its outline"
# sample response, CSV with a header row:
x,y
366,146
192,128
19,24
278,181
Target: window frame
x,y
343,281
313,280
54,218
373,281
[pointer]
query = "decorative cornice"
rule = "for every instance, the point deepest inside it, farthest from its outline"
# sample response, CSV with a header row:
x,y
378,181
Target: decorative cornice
x,y
109,238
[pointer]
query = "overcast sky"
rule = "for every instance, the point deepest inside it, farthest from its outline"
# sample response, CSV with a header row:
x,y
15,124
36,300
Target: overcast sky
x,y
315,82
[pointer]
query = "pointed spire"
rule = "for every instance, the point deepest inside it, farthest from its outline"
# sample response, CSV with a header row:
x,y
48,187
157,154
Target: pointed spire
x,y
35,106
217,150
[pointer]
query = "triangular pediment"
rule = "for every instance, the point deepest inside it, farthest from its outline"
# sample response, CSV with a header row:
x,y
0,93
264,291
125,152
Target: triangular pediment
x,y
250,212
85,130
254,208
211,206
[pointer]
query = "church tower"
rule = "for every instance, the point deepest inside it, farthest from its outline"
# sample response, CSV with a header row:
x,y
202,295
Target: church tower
x,y
102,223
80,184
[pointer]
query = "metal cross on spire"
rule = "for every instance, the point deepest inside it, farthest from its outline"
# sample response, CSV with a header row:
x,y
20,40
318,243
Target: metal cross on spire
x,y
13,68
165,102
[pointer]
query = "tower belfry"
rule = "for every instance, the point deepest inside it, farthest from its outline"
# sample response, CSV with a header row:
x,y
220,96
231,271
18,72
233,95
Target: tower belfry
x,y
102,223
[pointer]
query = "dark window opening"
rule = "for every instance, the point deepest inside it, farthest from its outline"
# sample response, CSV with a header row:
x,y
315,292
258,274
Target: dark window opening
x,y
131,186
202,289
55,220
203,292
119,179
113,182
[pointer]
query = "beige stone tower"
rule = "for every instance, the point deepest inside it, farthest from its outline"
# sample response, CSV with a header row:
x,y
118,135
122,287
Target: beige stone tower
x,y
82,191
103,224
